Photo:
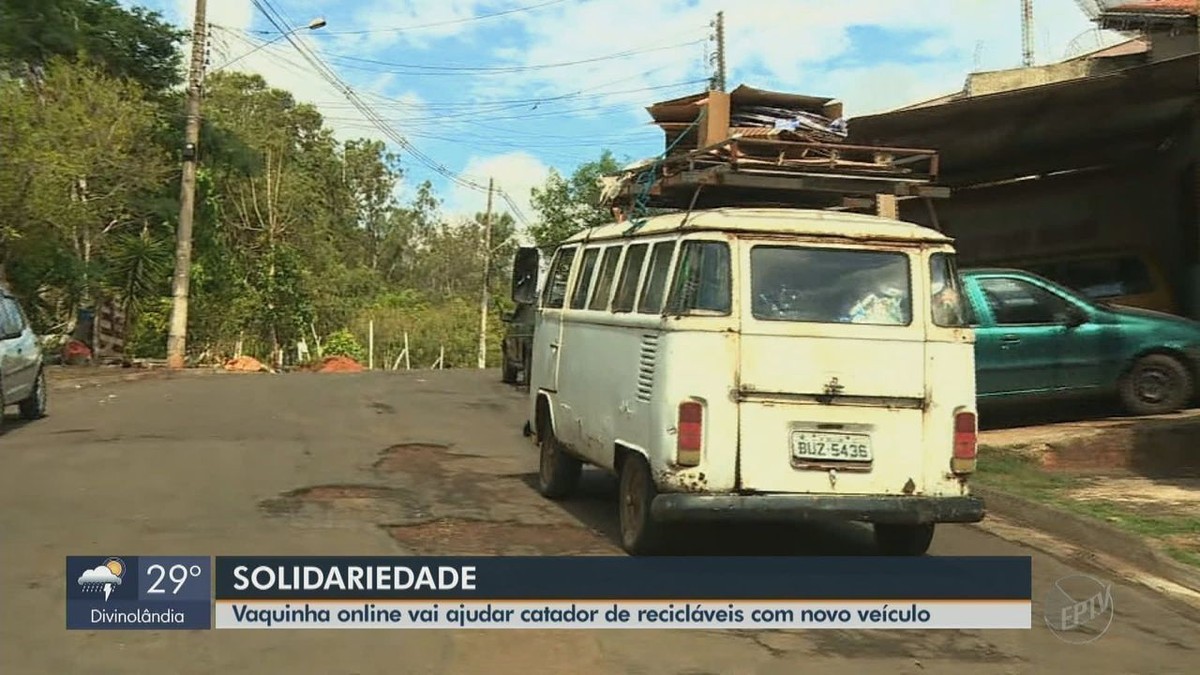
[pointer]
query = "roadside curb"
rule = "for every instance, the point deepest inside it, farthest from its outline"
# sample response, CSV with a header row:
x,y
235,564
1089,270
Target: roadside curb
x,y
1091,534
73,383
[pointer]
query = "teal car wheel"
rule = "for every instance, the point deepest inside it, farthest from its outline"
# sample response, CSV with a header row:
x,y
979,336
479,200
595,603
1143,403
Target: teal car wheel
x,y
1156,384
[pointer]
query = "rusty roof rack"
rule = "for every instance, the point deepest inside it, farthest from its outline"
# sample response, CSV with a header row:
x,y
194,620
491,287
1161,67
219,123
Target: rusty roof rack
x,y
754,170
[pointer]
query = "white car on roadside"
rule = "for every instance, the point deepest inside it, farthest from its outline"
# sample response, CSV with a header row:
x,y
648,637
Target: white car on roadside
x,y
22,375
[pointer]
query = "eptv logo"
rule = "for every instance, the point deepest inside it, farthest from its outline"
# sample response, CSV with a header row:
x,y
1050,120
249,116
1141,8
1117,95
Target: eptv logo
x,y
1079,608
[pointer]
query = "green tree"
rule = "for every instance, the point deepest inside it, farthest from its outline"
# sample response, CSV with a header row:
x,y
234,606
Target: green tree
x,y
565,206
130,43
80,174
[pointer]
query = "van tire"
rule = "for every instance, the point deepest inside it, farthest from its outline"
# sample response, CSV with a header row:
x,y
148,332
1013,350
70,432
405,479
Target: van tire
x,y
1156,384
558,472
903,540
640,535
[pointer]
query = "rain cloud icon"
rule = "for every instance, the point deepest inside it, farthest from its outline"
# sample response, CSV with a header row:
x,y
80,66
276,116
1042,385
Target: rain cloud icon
x,y
103,577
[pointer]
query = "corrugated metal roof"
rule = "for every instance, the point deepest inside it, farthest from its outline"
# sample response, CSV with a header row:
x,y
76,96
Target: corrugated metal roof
x,y
1043,128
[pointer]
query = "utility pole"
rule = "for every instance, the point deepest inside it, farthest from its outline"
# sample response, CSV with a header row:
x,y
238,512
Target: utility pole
x,y
720,84
487,270
1027,32
177,335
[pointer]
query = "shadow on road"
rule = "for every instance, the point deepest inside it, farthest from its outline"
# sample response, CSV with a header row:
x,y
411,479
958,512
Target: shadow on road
x,y
594,505
13,422
1013,415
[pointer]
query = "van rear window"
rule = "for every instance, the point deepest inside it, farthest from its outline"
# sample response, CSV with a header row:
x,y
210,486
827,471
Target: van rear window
x,y
830,285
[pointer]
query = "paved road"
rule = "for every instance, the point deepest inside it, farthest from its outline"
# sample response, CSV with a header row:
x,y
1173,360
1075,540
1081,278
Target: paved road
x,y
379,464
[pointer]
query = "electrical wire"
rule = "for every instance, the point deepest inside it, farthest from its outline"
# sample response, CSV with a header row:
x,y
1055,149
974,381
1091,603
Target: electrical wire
x,y
473,108
448,22
333,78
425,69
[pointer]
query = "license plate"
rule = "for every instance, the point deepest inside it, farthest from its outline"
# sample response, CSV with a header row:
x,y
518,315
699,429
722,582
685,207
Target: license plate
x,y
816,446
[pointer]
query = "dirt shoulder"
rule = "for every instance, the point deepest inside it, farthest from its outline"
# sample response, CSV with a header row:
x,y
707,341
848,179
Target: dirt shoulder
x,y
1126,487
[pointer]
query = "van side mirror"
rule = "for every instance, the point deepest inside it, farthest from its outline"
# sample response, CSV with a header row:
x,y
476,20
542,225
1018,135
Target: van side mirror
x,y
525,275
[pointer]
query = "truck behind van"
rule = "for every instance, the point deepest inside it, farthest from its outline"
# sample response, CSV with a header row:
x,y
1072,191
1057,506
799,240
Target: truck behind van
x,y
757,364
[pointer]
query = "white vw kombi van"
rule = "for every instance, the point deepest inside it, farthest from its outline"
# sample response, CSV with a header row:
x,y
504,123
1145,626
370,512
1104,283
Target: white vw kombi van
x,y
757,364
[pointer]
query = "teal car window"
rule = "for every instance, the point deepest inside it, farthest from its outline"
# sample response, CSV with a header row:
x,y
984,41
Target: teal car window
x,y
1018,302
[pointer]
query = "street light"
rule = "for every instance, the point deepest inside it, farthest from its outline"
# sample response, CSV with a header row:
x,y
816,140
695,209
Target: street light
x,y
177,331
316,24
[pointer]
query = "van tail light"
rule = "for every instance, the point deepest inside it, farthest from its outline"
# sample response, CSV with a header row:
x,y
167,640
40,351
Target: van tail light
x,y
690,428
965,442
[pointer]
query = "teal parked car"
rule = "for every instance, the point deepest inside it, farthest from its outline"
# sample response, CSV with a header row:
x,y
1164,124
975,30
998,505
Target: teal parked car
x,y
1037,339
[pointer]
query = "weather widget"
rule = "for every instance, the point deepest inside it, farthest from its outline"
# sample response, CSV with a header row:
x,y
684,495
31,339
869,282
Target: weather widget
x,y
139,592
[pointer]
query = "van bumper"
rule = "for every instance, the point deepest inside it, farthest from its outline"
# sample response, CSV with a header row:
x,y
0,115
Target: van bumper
x,y
900,510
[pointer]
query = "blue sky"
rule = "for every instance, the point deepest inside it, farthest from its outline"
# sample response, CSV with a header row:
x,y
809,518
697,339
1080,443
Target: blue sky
x,y
511,88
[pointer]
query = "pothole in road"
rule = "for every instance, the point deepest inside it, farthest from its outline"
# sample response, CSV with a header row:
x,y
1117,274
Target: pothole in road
x,y
341,497
417,458
458,536
443,464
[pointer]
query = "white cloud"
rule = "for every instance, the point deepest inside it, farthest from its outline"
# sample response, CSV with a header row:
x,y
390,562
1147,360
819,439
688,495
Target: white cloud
x,y
515,172
788,43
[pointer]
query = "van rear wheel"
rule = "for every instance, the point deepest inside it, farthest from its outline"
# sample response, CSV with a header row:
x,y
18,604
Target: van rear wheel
x,y
903,540
640,535
558,472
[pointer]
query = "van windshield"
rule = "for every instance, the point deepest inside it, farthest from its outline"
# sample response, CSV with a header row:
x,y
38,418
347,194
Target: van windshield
x,y
830,285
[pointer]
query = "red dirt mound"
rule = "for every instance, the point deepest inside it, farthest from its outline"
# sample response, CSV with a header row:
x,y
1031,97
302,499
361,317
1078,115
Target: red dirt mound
x,y
245,364
340,364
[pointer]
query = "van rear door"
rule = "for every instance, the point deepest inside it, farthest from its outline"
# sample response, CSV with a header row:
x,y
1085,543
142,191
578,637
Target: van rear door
x,y
832,369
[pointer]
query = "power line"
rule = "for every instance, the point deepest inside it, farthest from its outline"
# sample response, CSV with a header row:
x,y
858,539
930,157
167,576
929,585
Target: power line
x,y
425,69
472,108
333,79
449,22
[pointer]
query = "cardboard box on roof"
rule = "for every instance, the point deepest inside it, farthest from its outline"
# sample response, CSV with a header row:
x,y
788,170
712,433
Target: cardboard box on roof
x,y
678,117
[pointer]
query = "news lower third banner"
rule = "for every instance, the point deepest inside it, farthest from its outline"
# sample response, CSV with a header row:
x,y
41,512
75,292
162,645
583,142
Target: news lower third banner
x,y
588,592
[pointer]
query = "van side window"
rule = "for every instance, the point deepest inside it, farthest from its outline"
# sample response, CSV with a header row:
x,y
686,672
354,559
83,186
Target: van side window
x,y
702,279
556,283
655,287
608,272
631,273
583,282
949,308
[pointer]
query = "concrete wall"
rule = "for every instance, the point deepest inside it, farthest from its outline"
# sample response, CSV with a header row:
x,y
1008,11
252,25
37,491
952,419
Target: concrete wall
x,y
991,82
1168,45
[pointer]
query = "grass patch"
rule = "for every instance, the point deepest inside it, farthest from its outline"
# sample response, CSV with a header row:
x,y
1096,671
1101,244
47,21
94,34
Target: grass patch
x,y
1184,555
1008,470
